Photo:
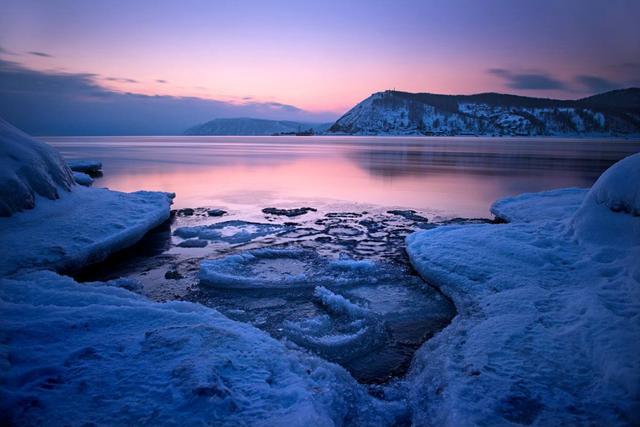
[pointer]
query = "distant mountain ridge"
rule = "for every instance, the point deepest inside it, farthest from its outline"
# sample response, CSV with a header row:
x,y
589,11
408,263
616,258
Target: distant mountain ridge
x,y
245,126
614,113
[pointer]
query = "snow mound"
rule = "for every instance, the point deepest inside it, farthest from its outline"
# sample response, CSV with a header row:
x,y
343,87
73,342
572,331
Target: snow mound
x,y
82,179
28,168
618,188
547,330
611,209
82,227
231,232
100,355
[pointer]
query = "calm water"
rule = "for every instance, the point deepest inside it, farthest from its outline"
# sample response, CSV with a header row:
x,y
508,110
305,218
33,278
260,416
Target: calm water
x,y
455,176
356,186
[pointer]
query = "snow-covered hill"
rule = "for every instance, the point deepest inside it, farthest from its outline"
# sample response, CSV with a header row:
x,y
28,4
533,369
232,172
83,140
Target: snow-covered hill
x,y
615,113
249,126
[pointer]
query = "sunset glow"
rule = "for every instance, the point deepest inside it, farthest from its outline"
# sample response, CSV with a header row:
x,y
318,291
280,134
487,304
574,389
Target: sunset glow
x,y
323,58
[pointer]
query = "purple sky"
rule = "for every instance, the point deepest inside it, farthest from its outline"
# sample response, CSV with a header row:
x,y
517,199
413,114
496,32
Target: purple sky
x,y
321,57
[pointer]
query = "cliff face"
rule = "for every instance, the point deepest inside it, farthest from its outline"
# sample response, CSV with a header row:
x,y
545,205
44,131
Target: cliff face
x,y
615,113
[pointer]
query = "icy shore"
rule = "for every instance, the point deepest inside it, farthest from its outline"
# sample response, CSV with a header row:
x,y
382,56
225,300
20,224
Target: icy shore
x,y
548,331
98,354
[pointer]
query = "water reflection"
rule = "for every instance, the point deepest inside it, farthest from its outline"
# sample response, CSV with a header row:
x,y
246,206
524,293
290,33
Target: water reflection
x,y
458,176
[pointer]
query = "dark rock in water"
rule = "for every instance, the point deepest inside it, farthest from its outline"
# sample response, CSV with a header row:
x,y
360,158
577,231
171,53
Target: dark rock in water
x,y
216,212
288,212
186,212
173,275
462,221
85,165
409,214
193,243
343,215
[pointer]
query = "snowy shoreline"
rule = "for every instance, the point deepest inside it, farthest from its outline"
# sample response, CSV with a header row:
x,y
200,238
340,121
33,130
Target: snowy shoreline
x,y
547,330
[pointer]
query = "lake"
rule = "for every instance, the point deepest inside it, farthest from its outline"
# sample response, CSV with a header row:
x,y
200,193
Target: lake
x,y
334,279
455,176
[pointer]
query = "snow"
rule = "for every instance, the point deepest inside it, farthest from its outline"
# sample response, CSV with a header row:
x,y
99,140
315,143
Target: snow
x,y
548,330
28,168
82,227
84,165
82,179
101,355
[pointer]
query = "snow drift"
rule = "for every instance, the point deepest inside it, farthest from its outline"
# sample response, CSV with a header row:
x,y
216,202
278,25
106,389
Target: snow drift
x,y
28,168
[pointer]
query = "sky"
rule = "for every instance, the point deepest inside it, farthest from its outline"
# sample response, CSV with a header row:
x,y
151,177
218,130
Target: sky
x,y
122,65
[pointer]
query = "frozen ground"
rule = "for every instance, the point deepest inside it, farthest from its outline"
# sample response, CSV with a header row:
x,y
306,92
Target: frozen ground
x,y
548,330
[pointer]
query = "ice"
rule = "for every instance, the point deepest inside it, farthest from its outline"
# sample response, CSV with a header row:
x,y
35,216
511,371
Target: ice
x,y
351,332
100,355
87,166
231,232
82,227
547,331
28,168
260,268
360,304
82,179
284,268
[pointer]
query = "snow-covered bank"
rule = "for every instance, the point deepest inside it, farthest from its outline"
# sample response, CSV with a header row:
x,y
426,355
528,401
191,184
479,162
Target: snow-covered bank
x,y
93,354
548,331
83,226
28,168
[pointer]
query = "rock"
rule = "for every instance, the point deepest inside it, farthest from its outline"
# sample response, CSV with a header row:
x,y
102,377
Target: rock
x,y
85,165
173,275
409,214
193,243
186,212
288,212
216,212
